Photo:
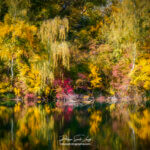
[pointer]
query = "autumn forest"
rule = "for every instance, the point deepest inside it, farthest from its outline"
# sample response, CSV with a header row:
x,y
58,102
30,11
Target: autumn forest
x,y
69,57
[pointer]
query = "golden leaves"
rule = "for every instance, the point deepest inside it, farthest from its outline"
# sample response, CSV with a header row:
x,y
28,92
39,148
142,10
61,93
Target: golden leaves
x,y
17,91
17,107
95,119
140,124
4,87
141,74
94,76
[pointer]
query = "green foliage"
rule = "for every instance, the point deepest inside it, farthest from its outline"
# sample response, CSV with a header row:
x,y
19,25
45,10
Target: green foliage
x,y
8,103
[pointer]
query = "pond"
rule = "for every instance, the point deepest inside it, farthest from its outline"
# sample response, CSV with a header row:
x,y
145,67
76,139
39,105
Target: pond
x,y
97,127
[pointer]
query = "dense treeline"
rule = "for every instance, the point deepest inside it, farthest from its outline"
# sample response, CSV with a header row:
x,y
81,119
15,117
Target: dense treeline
x,y
57,48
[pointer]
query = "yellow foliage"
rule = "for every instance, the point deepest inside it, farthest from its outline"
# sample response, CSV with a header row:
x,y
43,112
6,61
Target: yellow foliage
x,y
114,8
30,76
39,102
53,35
33,124
52,29
18,29
17,91
17,107
94,76
47,90
140,124
95,119
111,91
112,107
5,113
4,87
47,109
141,74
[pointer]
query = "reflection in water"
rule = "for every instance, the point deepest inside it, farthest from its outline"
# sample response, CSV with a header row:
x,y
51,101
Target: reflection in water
x,y
140,122
95,120
34,128
107,126
12,130
133,138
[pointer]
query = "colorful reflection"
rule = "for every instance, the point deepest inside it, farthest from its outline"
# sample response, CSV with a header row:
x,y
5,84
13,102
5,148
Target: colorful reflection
x,y
42,128
140,122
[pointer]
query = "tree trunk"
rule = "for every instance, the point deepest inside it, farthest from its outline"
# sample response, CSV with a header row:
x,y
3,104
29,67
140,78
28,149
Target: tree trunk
x,y
12,71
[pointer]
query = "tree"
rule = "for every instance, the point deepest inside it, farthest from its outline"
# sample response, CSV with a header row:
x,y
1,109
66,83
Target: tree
x,y
17,44
53,36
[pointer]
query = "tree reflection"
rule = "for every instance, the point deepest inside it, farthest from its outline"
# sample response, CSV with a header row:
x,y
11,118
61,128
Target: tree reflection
x,y
95,120
41,127
140,122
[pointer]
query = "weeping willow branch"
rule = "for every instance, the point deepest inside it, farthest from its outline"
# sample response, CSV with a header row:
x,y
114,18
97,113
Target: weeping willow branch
x,y
53,30
53,35
60,52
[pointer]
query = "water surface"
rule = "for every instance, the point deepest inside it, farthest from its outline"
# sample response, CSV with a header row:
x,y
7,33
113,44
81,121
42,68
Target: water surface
x,y
97,127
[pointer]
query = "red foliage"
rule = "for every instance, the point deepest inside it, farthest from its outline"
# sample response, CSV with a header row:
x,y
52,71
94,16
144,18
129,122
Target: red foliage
x,y
63,88
68,111
120,79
